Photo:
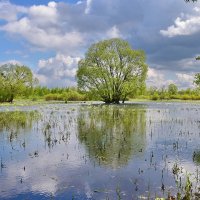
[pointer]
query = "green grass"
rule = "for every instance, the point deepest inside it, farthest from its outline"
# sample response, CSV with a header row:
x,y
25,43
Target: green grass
x,y
38,101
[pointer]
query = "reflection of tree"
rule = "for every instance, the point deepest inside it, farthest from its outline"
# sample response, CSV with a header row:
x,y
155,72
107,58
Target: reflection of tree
x,y
112,134
196,157
16,121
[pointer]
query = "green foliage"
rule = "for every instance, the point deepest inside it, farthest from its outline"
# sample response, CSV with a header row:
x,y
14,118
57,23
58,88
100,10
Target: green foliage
x,y
112,70
42,91
172,92
15,121
155,97
198,58
55,97
197,79
111,133
71,95
15,80
172,89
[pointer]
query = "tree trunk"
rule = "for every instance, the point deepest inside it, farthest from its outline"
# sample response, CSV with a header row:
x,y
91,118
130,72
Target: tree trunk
x,y
116,102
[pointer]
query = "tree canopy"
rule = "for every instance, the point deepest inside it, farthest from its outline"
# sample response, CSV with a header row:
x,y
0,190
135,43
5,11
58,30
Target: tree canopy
x,y
197,79
198,58
112,70
14,80
172,89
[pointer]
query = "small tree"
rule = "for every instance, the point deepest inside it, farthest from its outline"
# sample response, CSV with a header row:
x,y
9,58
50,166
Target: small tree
x,y
14,80
197,79
112,70
172,89
198,58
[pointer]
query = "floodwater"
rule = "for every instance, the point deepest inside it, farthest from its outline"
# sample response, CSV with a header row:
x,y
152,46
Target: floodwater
x,y
72,151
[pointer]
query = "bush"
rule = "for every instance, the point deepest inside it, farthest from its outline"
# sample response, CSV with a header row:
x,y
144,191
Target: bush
x,y
164,96
186,97
5,96
154,97
73,95
54,97
195,97
175,97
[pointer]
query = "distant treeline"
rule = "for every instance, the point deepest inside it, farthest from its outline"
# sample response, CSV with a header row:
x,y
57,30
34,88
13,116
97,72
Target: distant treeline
x,y
171,92
73,94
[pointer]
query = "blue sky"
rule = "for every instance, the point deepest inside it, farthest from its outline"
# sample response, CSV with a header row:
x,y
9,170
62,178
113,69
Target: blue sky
x,y
52,36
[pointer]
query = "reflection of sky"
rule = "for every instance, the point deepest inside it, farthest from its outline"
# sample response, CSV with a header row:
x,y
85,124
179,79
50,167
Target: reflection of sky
x,y
64,169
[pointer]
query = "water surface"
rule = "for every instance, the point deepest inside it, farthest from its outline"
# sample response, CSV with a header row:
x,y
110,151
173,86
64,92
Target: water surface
x,y
66,151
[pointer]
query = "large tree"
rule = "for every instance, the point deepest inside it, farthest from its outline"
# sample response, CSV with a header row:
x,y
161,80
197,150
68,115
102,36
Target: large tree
x,y
112,70
14,80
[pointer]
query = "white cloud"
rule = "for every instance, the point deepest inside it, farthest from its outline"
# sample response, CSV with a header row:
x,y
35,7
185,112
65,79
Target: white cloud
x,y
161,78
44,14
155,78
88,6
9,12
158,78
184,25
113,33
41,27
185,80
58,71
185,77
44,38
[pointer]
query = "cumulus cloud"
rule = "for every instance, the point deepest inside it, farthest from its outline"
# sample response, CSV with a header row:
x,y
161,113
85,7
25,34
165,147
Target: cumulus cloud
x,y
10,12
114,33
184,25
42,15
156,78
58,71
159,79
185,80
40,28
70,28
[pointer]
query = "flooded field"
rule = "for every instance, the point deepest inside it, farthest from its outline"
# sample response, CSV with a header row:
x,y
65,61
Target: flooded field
x,y
133,151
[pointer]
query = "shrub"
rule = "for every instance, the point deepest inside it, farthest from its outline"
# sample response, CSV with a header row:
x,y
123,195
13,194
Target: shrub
x,y
175,96
56,97
73,95
195,97
186,97
155,97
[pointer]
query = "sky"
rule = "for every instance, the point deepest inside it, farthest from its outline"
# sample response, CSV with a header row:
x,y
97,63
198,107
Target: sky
x,y
51,37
